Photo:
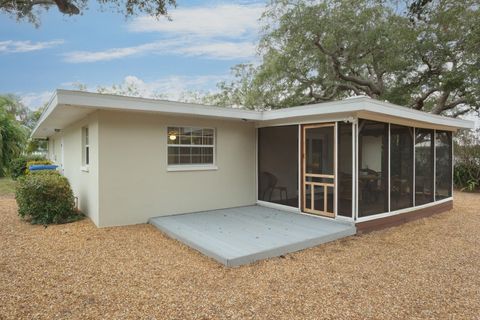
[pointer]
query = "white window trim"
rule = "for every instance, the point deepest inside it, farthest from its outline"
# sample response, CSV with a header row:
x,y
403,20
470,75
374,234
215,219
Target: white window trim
x,y
192,167
85,145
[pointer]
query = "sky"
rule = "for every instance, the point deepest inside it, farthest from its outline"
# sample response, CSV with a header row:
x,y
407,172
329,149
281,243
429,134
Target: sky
x,y
192,52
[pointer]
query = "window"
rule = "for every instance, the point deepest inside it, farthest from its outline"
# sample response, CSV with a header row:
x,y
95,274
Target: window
x,y
191,146
85,147
401,167
54,155
278,165
344,169
443,171
372,168
424,166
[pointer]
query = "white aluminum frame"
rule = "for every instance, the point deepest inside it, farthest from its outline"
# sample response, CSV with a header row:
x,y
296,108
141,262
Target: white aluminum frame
x,y
414,207
414,191
389,152
355,187
357,161
434,142
274,205
335,170
397,212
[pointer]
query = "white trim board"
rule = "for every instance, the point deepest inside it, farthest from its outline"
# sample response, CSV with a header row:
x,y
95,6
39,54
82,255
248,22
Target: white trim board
x,y
397,212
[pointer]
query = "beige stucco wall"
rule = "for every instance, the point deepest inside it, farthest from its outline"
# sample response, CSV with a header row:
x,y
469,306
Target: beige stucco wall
x,y
84,183
134,183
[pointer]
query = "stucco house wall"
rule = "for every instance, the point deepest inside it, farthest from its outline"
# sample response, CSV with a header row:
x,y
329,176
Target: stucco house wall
x,y
134,183
84,183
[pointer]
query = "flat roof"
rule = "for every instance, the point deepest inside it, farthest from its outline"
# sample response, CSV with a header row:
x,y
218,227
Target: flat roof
x,y
68,106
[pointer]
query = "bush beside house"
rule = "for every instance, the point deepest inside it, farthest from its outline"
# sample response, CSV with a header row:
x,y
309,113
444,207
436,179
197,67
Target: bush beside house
x,y
20,165
467,160
45,197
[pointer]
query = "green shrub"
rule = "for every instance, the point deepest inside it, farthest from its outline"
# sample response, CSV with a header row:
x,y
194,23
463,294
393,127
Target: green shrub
x,y
45,197
19,165
466,175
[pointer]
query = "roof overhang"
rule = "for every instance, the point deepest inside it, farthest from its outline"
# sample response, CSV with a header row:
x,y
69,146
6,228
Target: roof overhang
x,y
67,107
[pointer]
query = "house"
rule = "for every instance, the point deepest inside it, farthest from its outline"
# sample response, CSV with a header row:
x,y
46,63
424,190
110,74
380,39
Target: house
x,y
358,160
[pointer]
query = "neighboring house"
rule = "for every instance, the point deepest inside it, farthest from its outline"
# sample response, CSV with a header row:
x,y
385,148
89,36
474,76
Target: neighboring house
x,y
360,160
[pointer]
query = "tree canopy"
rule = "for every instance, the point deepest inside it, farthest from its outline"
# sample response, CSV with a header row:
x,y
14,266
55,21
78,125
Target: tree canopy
x,y
426,58
13,137
27,9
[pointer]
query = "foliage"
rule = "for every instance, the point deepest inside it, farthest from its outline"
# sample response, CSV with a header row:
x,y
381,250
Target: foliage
x,y
467,160
19,164
45,197
25,10
12,105
13,137
319,51
26,117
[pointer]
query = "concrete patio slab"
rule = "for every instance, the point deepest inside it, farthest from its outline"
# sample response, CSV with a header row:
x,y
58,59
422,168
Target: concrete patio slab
x,y
237,236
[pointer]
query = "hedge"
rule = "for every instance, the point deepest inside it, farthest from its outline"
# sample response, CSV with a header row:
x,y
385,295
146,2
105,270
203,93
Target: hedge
x,y
45,197
19,165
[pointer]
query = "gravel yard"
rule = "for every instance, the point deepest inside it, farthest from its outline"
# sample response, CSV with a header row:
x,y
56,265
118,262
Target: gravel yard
x,y
427,269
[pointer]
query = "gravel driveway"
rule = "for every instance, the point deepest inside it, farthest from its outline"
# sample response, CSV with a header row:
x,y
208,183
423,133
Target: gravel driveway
x,y
427,269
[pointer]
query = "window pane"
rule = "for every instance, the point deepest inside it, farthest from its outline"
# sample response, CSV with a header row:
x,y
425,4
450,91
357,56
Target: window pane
x,y
173,153
192,139
423,166
372,168
401,167
208,140
443,170
319,150
172,135
344,169
208,132
278,165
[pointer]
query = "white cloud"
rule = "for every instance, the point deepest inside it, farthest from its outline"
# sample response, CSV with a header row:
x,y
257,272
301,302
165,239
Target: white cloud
x,y
11,46
188,47
217,32
220,50
34,100
175,87
231,20
109,54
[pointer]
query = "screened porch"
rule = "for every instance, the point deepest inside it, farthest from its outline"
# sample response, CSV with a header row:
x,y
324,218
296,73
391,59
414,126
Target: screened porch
x,y
355,170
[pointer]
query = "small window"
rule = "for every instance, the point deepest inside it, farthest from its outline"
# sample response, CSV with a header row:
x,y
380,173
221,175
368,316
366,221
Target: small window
x,y
54,155
85,147
190,146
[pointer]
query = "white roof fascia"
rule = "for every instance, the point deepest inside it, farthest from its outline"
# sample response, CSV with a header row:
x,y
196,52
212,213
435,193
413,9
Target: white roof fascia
x,y
51,105
354,106
360,104
108,101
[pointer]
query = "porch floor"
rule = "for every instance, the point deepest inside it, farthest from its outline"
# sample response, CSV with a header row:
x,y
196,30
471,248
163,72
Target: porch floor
x,y
237,236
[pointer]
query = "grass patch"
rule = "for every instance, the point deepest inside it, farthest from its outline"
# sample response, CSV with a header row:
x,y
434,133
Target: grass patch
x,y
7,187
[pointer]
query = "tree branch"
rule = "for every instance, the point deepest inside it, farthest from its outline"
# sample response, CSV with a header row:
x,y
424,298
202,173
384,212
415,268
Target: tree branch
x,y
67,7
419,103
373,91
441,103
461,112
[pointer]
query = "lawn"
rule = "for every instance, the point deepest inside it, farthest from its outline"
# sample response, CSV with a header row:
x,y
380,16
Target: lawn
x,y
7,187
427,269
